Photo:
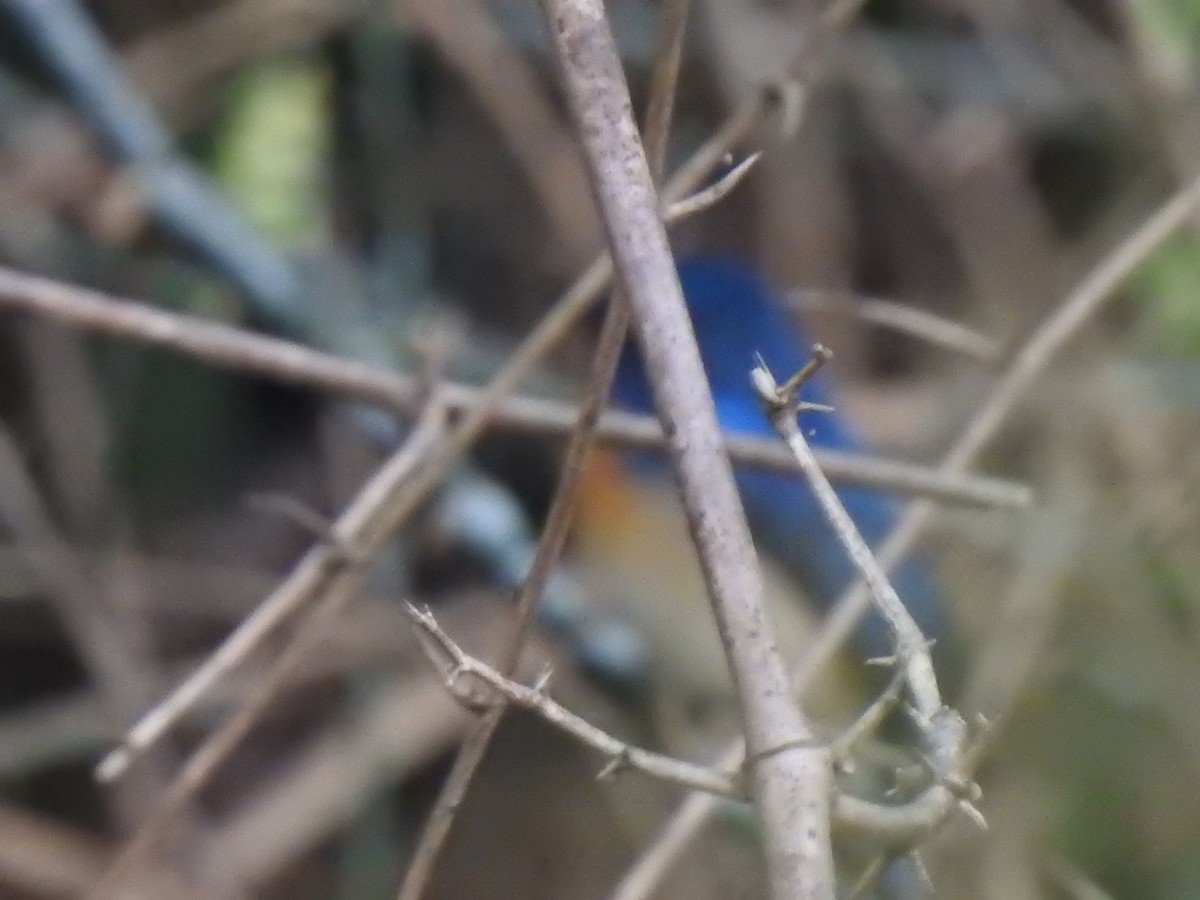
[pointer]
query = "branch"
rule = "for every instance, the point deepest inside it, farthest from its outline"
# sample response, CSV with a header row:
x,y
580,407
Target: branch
x,y
919,323
363,530
477,686
791,774
942,728
561,515
239,350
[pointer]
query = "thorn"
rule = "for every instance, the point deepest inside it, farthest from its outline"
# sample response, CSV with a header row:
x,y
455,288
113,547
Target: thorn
x,y
790,389
972,812
615,764
764,383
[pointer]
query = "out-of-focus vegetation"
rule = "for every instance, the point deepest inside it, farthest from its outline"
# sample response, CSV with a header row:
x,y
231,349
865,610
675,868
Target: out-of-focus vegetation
x,y
973,159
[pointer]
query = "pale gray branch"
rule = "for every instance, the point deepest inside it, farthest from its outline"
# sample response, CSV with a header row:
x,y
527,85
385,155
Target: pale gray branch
x,y
791,774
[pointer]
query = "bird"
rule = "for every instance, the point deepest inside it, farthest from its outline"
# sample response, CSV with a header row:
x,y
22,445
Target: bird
x,y
737,318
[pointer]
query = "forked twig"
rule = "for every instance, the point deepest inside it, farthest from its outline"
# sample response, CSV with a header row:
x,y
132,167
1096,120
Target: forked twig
x,y
479,687
942,728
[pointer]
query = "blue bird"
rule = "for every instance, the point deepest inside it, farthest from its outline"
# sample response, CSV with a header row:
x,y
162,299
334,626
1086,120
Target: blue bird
x,y
735,316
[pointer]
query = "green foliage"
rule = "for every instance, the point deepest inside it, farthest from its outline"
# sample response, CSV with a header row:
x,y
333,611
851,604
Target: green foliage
x,y
271,154
1168,286
1171,28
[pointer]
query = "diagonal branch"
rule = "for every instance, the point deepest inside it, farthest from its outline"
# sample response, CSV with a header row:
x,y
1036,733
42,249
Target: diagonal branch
x,y
338,569
566,493
790,773
942,728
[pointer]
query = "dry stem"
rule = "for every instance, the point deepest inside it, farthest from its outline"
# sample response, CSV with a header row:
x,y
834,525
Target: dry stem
x,y
243,351
558,520
790,773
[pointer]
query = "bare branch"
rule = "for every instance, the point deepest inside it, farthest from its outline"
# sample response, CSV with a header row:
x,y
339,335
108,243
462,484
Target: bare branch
x,y
943,729
363,526
918,322
459,668
243,351
791,775
703,199
559,519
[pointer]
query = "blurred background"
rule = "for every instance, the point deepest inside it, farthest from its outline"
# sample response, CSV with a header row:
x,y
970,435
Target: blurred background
x,y
355,174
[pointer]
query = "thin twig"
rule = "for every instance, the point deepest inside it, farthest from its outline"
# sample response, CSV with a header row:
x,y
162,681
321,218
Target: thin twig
x,y
790,773
943,729
350,542
459,669
280,360
870,719
702,200
549,549
1076,309
558,520
898,316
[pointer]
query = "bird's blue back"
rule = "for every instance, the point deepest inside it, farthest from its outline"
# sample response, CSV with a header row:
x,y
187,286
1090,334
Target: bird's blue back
x,y
735,316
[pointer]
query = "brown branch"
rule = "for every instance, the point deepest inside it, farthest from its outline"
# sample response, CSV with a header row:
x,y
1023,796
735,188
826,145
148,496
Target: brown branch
x,y
566,493
473,683
310,577
243,351
316,576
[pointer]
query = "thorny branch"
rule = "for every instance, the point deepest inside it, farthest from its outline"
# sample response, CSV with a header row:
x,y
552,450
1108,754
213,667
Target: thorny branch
x,y
479,687
942,728
790,773
391,504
